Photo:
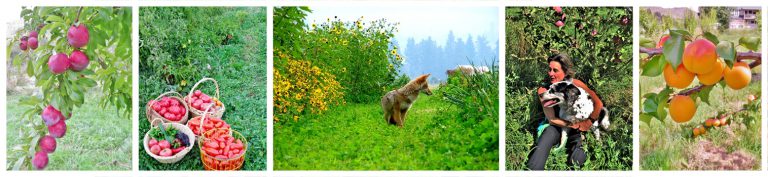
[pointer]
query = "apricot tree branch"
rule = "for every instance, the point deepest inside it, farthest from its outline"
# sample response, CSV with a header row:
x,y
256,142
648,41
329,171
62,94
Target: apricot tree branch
x,y
739,56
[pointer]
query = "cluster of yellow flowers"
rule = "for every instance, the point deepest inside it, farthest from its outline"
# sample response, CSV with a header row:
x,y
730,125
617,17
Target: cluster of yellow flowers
x,y
303,88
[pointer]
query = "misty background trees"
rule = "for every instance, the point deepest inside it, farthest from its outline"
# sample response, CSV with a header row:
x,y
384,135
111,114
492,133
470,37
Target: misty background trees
x,y
429,56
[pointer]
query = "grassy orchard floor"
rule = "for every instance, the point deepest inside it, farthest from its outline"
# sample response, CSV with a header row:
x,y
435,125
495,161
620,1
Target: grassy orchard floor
x,y
356,137
240,70
664,146
96,138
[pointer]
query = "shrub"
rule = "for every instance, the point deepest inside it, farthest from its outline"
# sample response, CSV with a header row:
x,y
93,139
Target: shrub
x,y
477,97
303,88
361,56
342,62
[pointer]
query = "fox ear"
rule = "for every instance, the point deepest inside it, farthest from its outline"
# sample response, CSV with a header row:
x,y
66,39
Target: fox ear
x,y
422,78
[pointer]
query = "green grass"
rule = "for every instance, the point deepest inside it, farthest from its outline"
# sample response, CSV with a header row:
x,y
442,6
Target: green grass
x,y
356,137
96,138
240,70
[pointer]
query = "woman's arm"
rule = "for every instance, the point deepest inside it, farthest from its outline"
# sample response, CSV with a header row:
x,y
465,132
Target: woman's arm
x,y
550,112
595,99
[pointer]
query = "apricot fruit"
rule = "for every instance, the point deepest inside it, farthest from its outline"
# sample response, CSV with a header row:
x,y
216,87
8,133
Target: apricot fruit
x,y
716,122
714,76
682,108
709,122
680,79
696,132
739,76
700,56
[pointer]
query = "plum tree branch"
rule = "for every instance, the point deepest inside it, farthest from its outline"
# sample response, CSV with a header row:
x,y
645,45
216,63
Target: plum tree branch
x,y
77,18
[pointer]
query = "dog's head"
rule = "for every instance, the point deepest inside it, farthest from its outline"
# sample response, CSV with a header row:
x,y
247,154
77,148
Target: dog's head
x,y
423,85
558,93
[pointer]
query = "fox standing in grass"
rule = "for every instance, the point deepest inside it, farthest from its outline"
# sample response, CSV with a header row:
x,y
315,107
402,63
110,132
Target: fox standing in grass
x,y
397,102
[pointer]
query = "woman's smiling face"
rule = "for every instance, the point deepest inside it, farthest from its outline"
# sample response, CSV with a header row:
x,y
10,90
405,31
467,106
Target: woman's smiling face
x,y
555,73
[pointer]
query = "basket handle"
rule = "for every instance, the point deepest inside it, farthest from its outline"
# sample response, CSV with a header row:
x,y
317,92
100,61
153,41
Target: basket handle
x,y
203,80
202,119
153,122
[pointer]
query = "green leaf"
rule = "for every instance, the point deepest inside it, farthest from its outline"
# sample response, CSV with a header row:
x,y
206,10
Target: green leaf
x,y
30,69
650,105
673,49
87,82
751,43
664,95
646,118
30,101
704,94
654,67
19,163
711,37
54,18
661,113
727,51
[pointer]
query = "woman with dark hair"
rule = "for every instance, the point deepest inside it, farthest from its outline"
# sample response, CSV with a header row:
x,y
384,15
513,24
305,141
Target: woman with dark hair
x,y
560,68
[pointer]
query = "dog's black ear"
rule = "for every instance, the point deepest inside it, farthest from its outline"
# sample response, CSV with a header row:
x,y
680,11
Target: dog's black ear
x,y
560,86
573,90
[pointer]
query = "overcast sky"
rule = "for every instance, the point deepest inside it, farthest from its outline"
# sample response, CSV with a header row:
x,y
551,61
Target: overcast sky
x,y
421,22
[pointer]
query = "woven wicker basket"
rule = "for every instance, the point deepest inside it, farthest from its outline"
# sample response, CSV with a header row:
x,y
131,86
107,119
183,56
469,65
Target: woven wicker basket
x,y
213,163
202,121
216,113
152,114
178,156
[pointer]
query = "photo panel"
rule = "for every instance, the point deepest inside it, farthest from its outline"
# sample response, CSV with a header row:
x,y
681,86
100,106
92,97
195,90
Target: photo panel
x,y
69,89
701,86
203,77
569,86
386,88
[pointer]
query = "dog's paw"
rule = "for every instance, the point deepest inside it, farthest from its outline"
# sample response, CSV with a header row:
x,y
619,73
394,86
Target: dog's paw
x,y
605,122
597,135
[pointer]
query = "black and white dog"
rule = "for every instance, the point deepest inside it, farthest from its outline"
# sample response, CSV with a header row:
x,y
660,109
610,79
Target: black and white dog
x,y
575,105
